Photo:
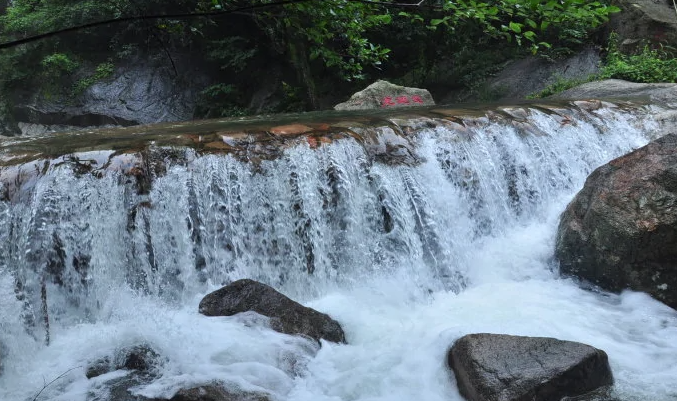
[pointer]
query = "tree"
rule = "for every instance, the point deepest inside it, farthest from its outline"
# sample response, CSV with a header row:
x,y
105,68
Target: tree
x,y
320,40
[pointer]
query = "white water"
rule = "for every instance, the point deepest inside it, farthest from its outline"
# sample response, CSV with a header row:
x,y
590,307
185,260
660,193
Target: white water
x,y
465,246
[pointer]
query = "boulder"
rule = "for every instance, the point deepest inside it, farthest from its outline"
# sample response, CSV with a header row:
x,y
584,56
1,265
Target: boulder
x,y
524,77
286,316
498,367
214,392
384,95
620,230
645,20
141,358
661,94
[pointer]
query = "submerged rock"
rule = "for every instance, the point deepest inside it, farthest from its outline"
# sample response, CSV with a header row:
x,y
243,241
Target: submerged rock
x,y
141,358
498,367
383,94
620,230
286,316
214,392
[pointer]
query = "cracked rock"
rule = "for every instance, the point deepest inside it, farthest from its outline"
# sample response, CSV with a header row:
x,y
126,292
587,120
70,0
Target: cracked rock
x,y
498,367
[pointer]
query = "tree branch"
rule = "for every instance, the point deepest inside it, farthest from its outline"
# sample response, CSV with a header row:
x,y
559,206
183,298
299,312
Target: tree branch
x,y
195,15
47,385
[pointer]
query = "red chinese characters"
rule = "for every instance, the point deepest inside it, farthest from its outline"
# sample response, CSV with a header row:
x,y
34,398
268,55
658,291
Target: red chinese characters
x,y
388,100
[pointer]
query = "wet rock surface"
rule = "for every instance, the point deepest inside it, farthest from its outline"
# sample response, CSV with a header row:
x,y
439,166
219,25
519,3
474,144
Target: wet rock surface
x,y
213,392
141,360
139,357
286,316
620,230
498,367
383,95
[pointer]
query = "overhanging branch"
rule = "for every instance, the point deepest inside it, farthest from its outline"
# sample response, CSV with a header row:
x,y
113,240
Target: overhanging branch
x,y
35,38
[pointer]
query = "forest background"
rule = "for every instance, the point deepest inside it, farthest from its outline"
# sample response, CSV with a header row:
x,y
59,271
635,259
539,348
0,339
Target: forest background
x,y
265,56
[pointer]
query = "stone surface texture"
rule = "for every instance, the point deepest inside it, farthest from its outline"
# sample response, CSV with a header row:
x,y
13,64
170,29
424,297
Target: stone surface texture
x,y
142,90
662,93
214,392
498,367
286,316
620,231
645,20
384,95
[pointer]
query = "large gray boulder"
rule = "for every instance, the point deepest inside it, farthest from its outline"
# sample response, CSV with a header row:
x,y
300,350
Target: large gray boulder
x,y
384,95
661,93
645,20
497,367
286,316
620,231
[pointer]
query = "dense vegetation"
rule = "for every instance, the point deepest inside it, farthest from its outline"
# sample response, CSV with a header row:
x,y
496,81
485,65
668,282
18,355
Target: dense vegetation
x,y
647,64
306,49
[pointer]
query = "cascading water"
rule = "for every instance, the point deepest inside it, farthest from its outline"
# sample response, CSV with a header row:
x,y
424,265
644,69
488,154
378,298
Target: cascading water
x,y
406,256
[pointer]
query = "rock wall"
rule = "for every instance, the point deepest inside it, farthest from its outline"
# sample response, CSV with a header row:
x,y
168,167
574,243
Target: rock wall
x,y
143,90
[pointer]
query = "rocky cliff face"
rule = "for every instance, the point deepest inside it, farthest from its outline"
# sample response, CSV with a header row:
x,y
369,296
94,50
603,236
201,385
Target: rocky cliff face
x,y
142,90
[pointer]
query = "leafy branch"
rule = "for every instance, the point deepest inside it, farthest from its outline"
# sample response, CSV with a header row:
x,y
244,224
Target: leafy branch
x,y
177,16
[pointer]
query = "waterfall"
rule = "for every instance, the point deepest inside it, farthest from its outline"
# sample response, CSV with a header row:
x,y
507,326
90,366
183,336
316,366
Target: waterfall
x,y
454,236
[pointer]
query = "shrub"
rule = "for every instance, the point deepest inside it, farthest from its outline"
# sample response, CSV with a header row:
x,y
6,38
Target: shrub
x,y
649,65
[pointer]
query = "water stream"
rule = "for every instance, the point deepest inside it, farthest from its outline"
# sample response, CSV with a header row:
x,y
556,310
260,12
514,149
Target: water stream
x,y
407,257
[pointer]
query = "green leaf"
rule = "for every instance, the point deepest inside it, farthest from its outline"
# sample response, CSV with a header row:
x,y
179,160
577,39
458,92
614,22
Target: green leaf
x,y
515,27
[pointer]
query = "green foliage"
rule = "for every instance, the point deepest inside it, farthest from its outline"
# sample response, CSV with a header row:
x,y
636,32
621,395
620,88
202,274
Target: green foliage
x,y
315,46
649,65
560,85
220,100
536,24
102,71
58,64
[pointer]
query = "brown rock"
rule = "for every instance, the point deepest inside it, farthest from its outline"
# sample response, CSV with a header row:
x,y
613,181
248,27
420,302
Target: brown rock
x,y
291,129
620,230
287,316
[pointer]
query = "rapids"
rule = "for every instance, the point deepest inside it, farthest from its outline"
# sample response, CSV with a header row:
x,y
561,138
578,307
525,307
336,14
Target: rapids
x,y
407,257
